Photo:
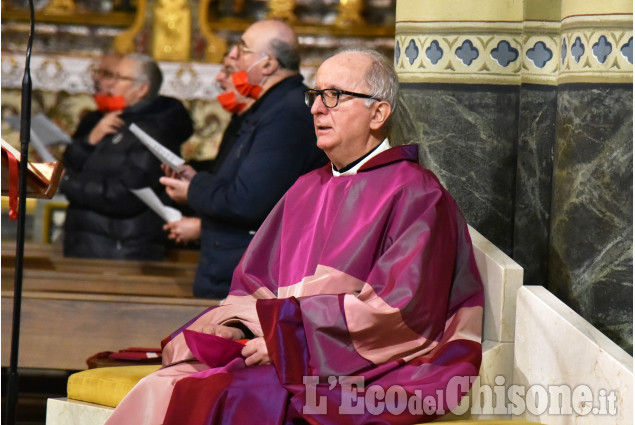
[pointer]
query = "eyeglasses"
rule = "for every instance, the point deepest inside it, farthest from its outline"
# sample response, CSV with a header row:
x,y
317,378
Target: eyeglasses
x,y
331,97
241,48
102,73
124,78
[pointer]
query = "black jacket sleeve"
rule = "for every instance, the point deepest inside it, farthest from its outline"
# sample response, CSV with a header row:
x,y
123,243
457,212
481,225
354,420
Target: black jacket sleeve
x,y
283,144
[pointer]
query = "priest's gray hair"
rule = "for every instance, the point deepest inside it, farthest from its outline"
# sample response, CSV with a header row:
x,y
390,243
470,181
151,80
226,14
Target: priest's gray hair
x,y
380,77
149,72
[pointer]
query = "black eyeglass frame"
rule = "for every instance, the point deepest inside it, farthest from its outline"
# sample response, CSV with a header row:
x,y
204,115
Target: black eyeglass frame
x,y
241,47
338,93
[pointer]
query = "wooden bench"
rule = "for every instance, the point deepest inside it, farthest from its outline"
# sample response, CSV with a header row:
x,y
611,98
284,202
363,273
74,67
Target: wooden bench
x,y
73,308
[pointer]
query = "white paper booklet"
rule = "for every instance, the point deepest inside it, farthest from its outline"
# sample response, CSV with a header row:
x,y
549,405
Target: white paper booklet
x,y
41,150
44,132
151,199
165,155
47,132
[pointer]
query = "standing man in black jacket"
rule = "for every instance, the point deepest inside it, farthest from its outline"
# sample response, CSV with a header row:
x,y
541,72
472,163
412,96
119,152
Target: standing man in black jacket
x,y
104,218
263,151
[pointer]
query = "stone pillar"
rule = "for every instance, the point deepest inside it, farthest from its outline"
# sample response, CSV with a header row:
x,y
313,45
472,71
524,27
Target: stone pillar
x,y
505,98
591,248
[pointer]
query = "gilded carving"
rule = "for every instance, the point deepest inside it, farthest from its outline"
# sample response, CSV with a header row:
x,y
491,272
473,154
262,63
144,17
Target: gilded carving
x,y
349,13
124,42
172,30
282,9
60,7
216,45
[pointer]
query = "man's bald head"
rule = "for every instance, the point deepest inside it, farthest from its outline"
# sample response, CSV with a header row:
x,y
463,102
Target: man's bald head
x,y
277,39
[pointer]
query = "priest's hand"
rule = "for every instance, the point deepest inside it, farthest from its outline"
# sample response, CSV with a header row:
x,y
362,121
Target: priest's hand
x,y
255,352
176,189
187,229
228,332
186,173
109,124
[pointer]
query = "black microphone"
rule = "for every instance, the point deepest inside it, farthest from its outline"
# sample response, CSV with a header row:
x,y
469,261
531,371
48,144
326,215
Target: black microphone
x,y
25,138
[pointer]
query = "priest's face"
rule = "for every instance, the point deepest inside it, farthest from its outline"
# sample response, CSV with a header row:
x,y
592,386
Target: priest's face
x,y
344,131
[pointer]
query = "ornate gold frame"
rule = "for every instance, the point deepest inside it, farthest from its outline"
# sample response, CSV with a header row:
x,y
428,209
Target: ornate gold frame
x,y
124,42
216,45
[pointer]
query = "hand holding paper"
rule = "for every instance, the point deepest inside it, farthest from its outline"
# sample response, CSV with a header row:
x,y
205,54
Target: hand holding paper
x,y
152,200
176,189
165,155
187,229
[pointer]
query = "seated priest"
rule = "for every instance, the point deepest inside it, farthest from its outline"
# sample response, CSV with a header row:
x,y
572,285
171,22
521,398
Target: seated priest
x,y
105,160
360,285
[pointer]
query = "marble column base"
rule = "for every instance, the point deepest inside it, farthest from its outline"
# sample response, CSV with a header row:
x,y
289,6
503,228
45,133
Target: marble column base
x,y
557,350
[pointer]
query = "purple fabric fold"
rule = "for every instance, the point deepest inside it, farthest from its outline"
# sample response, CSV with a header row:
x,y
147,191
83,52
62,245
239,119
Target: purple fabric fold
x,y
212,350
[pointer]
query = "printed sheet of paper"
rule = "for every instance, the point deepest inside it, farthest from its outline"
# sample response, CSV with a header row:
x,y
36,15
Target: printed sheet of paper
x,y
46,131
151,199
165,155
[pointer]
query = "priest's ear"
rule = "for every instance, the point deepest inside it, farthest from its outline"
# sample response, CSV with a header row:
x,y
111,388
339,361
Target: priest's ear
x,y
381,112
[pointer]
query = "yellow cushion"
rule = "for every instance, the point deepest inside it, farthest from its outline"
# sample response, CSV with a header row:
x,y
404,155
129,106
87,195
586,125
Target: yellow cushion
x,y
106,385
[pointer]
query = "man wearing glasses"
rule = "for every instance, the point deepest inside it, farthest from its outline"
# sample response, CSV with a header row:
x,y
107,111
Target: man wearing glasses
x,y
266,147
105,160
361,283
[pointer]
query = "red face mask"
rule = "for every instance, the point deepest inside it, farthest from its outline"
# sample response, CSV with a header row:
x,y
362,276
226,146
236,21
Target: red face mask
x,y
244,87
229,103
107,103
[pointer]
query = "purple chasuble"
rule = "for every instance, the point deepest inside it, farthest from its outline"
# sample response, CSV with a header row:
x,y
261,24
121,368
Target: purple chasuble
x,y
365,277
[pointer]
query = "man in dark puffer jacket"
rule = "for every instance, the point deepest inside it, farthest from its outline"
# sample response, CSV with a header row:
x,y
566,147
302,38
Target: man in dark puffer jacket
x,y
104,218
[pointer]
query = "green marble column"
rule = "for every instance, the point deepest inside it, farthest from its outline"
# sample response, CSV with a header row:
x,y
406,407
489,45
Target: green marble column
x,y
591,249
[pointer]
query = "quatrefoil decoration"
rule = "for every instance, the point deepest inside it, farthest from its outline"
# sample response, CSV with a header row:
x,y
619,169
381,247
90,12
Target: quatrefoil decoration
x,y
434,52
467,53
540,54
504,53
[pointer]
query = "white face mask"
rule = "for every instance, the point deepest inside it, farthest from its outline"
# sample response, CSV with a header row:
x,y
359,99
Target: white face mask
x,y
262,81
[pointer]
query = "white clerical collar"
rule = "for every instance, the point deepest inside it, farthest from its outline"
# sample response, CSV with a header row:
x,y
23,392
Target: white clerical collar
x,y
383,146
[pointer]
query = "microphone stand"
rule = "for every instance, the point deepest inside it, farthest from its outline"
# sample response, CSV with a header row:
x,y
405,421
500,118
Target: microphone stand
x,y
25,138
